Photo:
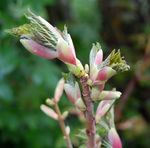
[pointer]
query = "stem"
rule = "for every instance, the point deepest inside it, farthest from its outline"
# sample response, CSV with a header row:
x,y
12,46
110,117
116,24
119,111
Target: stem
x,y
89,113
63,127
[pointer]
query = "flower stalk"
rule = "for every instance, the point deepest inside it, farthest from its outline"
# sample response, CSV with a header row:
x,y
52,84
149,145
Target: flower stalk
x,y
89,113
62,126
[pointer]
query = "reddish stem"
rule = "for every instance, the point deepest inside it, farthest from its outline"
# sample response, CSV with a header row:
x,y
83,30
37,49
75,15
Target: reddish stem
x,y
89,113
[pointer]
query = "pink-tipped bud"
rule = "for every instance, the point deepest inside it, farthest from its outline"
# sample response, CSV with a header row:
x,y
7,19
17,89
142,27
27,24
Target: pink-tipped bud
x,y
48,111
96,55
59,90
74,95
99,57
114,138
66,53
48,42
37,49
102,109
104,74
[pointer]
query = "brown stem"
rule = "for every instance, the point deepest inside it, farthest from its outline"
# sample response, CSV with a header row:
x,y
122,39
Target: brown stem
x,y
89,113
63,127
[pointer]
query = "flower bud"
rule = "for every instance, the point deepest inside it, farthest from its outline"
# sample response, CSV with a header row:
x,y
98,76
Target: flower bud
x,y
48,111
37,49
44,40
109,95
77,69
68,130
103,108
104,74
74,95
50,102
80,104
59,90
95,93
96,55
114,138
65,114
65,52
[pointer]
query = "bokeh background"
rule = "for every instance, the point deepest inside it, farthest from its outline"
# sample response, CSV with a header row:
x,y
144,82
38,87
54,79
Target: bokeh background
x,y
26,80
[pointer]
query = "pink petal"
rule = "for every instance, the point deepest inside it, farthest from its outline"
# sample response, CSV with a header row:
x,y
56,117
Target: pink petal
x,y
114,138
59,90
38,49
103,108
66,53
102,75
99,57
105,73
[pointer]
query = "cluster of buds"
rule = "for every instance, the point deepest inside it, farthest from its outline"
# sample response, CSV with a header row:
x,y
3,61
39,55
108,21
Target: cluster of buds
x,y
42,39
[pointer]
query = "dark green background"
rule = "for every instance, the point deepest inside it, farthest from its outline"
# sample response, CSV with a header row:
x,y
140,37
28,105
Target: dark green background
x,y
27,80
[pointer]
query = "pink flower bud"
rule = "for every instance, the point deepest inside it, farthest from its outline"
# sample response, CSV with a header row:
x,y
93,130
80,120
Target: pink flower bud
x,y
59,90
114,138
104,74
65,52
38,49
74,95
44,40
48,111
96,55
103,108
99,57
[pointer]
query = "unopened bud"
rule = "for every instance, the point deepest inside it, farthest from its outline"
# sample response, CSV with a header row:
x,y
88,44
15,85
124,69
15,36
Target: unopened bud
x,y
95,93
65,114
67,130
103,108
77,69
48,111
59,90
108,95
105,74
80,104
50,102
101,112
86,68
114,138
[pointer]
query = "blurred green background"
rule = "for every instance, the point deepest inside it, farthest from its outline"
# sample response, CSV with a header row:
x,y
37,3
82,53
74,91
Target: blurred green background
x,y
26,80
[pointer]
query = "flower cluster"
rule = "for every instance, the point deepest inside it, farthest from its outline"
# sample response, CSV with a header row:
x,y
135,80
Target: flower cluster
x,y
42,39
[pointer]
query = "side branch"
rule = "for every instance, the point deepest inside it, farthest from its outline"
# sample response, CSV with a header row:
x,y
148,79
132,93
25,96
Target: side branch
x,y
89,113
63,127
